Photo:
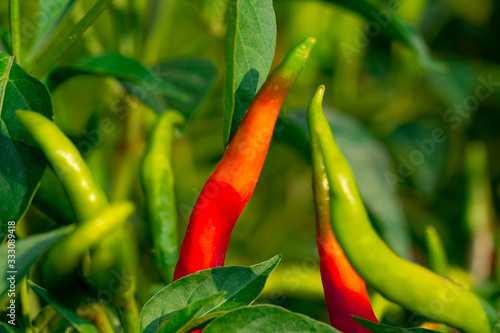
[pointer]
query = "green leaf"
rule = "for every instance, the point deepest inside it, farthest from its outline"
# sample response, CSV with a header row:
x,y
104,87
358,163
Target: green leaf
x,y
80,324
200,322
28,250
420,151
51,13
61,326
22,162
437,258
8,328
266,318
249,52
182,320
4,40
51,199
45,61
194,78
380,328
394,27
242,286
181,84
121,67
370,163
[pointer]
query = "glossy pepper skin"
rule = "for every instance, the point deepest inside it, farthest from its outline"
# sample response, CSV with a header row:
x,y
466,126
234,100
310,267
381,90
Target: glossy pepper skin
x,y
227,191
158,183
345,291
407,284
86,236
86,197
88,201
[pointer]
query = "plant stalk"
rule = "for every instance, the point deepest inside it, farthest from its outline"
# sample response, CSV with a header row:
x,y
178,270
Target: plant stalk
x,y
96,313
15,28
52,55
130,317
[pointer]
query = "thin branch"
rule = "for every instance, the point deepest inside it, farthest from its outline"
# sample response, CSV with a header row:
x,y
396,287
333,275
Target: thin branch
x,y
44,62
15,28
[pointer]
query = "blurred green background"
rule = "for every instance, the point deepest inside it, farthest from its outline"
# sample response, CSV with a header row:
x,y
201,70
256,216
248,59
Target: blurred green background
x,y
383,106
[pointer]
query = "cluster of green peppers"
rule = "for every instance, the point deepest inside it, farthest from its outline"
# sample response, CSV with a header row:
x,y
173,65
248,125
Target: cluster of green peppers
x,y
100,226
350,249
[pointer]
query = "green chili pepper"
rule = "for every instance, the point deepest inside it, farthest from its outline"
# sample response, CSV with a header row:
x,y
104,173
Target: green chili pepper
x,y
131,153
86,197
111,258
438,261
67,254
113,261
158,182
410,285
479,210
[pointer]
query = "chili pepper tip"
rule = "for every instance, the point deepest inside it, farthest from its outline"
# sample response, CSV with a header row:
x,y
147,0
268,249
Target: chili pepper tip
x,y
309,41
320,92
373,260
315,105
25,117
304,47
20,114
295,61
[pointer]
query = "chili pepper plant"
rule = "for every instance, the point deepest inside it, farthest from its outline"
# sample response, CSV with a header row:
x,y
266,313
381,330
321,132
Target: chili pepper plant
x,y
249,166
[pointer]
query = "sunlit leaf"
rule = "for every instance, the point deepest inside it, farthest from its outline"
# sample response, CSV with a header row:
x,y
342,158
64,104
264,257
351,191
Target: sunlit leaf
x,y
249,53
184,319
266,319
241,284
50,15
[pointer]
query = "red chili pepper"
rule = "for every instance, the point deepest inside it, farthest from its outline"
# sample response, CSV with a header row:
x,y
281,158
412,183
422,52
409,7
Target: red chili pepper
x,y
345,290
231,185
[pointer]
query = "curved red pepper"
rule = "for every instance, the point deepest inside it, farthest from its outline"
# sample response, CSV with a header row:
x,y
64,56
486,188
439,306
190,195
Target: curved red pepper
x,y
231,185
345,290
